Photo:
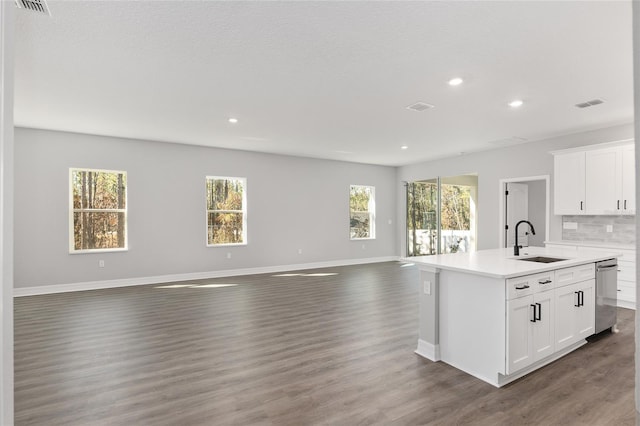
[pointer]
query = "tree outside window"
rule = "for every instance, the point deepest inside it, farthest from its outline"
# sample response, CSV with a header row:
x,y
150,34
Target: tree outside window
x,y
226,210
362,209
98,219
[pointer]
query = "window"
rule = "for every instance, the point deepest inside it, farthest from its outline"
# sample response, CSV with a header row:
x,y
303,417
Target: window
x,y
226,210
98,201
362,212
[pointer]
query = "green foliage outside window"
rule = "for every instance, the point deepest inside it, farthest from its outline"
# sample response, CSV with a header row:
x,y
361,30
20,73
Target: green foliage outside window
x,y
226,210
361,212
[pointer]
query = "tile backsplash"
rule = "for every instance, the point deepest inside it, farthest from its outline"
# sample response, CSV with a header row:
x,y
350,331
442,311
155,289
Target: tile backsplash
x,y
594,229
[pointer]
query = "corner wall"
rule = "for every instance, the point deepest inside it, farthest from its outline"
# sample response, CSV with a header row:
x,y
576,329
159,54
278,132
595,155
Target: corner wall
x,y
293,203
7,11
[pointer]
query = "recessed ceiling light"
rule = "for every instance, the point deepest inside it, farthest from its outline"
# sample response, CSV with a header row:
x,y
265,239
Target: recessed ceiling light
x,y
455,81
233,120
516,103
404,147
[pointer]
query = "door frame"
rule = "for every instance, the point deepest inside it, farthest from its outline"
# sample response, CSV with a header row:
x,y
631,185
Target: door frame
x,y
501,204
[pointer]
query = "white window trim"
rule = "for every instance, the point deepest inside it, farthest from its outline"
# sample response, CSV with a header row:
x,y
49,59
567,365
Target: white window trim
x,y
243,211
72,249
371,211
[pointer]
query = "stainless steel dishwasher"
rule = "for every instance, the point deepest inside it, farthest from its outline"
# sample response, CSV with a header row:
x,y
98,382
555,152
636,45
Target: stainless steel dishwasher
x,y
606,295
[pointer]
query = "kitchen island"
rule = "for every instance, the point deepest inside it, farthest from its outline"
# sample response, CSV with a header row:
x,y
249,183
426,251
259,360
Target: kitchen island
x,y
499,317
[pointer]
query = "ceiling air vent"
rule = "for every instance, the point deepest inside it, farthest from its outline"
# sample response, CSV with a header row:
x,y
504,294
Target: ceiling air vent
x,y
38,6
420,106
590,103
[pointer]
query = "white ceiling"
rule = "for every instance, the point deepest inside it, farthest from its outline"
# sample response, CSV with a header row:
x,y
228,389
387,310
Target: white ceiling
x,y
325,79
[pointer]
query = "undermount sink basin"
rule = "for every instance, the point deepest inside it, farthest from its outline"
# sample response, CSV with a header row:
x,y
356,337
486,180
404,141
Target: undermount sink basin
x,y
541,259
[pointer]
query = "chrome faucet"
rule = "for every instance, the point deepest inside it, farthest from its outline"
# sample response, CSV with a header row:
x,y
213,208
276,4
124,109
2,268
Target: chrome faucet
x,y
516,248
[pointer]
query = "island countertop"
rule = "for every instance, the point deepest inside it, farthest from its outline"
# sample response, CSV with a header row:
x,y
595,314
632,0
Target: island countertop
x,y
501,263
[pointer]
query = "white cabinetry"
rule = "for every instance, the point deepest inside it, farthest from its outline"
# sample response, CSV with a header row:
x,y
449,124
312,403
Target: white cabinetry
x,y
575,313
629,179
627,279
568,183
626,268
602,181
530,332
547,313
595,180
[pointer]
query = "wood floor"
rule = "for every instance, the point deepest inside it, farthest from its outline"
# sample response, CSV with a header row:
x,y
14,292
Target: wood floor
x,y
312,349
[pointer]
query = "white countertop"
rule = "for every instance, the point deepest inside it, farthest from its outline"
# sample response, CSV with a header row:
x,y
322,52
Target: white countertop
x,y
501,263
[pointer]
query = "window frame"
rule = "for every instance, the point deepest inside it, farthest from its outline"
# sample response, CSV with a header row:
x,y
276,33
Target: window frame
x,y
72,211
371,210
243,211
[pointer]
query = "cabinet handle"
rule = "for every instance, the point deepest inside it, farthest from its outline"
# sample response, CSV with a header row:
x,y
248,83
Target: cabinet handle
x,y
534,313
539,316
544,282
522,288
580,205
625,204
618,205
577,294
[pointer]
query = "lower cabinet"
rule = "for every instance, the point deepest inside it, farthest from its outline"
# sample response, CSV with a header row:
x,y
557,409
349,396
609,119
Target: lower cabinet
x,y
575,310
530,331
550,317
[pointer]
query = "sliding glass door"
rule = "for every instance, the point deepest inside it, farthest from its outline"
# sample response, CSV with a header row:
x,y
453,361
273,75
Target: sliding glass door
x,y
441,215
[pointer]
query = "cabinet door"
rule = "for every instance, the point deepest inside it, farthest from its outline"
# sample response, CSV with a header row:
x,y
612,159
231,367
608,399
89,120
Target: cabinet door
x,y
569,183
519,333
565,327
603,176
585,314
628,180
544,326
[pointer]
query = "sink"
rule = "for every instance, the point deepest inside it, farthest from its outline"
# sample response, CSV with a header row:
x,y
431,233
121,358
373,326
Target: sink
x,y
541,259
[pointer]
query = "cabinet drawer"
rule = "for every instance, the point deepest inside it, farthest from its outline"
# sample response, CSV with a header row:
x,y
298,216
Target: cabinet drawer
x,y
575,274
626,270
529,284
626,293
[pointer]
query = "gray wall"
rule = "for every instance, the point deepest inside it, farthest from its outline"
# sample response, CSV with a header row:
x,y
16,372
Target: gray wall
x,y
7,16
537,213
530,159
293,203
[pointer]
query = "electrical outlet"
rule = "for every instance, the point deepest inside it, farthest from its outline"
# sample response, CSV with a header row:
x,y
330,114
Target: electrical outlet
x,y
609,228
101,263
364,247
299,251
228,255
427,287
390,221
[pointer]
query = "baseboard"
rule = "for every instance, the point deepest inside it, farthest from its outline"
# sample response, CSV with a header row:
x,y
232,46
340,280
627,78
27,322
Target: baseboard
x,y
626,304
428,350
126,282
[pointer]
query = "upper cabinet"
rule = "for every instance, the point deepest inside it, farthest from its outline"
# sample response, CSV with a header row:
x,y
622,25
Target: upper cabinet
x,y
595,180
568,177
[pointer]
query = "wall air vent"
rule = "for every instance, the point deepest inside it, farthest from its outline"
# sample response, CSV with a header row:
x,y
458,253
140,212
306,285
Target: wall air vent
x,y
590,103
38,6
420,106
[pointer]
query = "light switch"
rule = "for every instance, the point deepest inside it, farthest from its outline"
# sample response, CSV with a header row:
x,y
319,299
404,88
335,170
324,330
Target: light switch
x,y
427,287
609,228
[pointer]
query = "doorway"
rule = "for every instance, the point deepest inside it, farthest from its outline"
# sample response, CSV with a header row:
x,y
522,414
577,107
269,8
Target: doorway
x,y
525,198
441,215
